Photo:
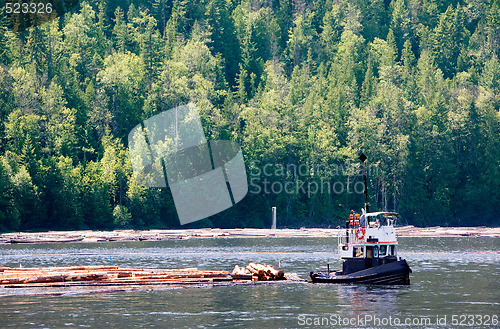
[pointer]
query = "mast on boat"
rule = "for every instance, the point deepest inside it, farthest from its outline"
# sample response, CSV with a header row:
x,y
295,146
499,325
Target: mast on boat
x,y
363,158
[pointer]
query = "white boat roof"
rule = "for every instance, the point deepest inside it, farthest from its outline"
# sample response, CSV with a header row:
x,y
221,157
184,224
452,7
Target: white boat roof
x,y
374,214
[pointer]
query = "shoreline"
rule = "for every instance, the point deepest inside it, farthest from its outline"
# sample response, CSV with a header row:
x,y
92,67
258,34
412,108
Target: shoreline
x,y
89,236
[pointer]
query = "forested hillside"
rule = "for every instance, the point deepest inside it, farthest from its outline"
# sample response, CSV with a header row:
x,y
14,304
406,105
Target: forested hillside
x,y
414,84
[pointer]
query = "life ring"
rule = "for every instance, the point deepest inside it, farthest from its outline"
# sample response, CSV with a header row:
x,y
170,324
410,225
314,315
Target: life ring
x,y
360,233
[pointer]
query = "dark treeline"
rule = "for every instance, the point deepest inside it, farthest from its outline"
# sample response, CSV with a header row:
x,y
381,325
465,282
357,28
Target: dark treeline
x,y
414,84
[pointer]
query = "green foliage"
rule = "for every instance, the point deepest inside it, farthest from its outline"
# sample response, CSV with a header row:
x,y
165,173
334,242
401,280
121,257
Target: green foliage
x,y
414,84
121,216
401,23
449,38
122,77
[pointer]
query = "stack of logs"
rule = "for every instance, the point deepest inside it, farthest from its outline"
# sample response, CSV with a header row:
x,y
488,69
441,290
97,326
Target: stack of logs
x,y
105,275
258,272
114,275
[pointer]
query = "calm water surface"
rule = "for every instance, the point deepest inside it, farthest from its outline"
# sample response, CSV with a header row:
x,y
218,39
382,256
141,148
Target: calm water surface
x,y
455,281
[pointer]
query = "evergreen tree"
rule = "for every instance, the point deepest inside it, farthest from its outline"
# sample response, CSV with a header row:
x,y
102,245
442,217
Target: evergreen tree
x,y
493,27
120,31
160,11
224,40
449,37
401,23
36,49
3,38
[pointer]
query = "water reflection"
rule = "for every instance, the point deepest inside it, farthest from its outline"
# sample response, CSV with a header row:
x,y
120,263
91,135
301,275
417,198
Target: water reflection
x,y
357,299
454,276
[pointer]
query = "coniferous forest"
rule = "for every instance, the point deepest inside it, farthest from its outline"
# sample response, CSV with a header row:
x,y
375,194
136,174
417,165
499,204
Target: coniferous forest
x,y
303,86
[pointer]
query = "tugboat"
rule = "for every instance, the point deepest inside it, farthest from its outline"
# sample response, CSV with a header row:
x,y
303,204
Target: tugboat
x,y
368,250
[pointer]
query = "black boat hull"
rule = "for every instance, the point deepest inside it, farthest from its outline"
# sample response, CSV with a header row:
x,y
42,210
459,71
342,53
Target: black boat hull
x,y
394,273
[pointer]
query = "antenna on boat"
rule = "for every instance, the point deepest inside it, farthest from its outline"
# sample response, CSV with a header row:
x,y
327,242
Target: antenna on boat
x,y
363,158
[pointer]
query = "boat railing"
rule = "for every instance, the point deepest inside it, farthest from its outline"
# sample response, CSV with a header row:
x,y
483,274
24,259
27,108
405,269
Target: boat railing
x,y
349,236
340,235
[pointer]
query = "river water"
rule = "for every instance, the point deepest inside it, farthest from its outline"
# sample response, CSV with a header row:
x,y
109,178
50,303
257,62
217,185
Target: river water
x,y
455,283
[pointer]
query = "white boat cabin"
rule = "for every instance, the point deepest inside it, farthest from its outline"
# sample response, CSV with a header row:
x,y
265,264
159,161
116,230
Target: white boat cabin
x,y
368,235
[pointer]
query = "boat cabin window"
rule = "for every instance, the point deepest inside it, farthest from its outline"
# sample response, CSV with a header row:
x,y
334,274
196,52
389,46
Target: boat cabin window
x,y
387,219
392,250
383,250
357,252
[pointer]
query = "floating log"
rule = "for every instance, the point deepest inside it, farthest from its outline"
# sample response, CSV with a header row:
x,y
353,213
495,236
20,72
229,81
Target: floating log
x,y
65,268
114,275
293,277
241,273
266,272
258,272
248,277
16,241
86,276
